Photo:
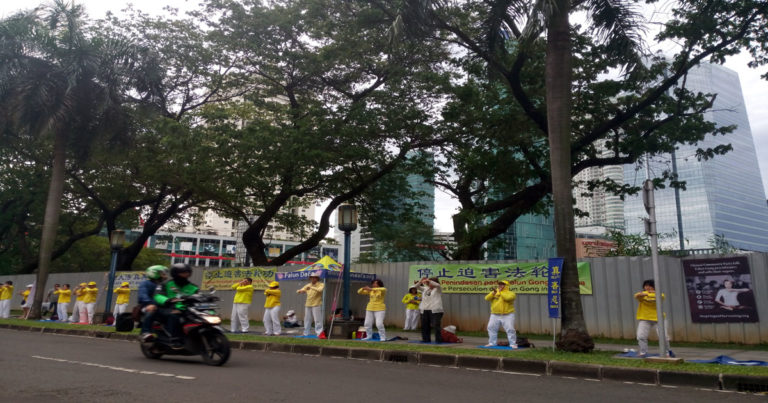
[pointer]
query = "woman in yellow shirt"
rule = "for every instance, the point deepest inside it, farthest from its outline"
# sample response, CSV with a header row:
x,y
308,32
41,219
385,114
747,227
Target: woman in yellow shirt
x,y
243,299
89,303
411,301
272,309
375,309
65,296
123,297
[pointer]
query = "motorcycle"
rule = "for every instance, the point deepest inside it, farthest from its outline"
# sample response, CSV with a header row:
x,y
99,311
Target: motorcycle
x,y
202,333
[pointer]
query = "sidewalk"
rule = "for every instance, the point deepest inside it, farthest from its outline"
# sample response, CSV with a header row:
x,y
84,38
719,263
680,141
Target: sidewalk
x,y
686,353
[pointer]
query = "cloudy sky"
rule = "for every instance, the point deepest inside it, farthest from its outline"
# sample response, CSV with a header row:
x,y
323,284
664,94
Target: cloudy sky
x,y
754,88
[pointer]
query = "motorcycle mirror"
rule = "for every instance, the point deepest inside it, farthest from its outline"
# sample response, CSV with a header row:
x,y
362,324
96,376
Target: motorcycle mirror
x,y
212,289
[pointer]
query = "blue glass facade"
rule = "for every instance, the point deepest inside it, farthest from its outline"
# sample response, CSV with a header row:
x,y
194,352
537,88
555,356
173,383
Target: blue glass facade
x,y
530,237
723,196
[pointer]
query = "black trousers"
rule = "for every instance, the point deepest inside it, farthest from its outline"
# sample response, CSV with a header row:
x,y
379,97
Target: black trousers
x,y
431,320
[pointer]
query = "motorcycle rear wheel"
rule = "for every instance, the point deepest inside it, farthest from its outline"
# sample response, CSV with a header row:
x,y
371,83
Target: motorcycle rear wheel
x,y
215,348
147,350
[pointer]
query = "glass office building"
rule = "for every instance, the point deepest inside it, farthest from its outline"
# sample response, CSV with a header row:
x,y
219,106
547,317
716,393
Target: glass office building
x,y
531,236
724,196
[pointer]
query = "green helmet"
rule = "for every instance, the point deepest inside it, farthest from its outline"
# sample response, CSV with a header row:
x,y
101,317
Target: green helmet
x,y
156,272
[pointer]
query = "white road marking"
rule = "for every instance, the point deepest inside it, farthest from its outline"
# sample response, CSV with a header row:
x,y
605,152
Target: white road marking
x,y
133,371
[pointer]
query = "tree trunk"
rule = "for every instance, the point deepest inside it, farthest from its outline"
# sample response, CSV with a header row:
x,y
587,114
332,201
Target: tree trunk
x,y
573,334
50,221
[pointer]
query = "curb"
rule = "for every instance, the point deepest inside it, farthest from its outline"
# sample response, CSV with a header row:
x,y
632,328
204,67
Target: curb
x,y
740,383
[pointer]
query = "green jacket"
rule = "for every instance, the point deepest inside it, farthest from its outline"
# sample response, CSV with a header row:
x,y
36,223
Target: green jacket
x,y
170,290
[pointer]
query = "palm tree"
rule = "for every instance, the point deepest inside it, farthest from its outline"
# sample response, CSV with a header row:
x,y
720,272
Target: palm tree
x,y
59,84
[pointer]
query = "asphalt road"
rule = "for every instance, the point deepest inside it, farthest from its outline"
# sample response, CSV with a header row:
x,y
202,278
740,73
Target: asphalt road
x,y
37,367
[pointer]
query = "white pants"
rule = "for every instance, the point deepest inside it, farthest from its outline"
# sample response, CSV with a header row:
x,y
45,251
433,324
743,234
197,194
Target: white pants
x,y
310,313
76,312
272,320
87,312
120,308
61,310
379,317
644,328
507,322
411,319
5,308
239,318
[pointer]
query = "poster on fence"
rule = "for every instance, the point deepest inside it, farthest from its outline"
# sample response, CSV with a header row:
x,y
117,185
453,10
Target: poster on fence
x,y
720,290
222,279
524,278
133,278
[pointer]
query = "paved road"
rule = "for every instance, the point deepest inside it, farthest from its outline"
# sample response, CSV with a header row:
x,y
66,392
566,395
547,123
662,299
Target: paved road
x,y
37,367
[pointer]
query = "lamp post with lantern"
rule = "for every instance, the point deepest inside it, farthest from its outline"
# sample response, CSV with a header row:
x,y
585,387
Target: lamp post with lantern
x,y
116,241
347,215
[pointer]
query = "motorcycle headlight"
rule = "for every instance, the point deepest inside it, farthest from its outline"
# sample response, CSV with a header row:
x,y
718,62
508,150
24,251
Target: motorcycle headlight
x,y
214,320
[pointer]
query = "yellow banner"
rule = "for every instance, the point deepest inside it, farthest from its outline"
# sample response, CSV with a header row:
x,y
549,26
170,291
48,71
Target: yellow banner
x,y
223,279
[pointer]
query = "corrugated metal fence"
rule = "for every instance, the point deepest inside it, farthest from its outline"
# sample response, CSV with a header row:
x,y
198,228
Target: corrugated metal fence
x,y
609,312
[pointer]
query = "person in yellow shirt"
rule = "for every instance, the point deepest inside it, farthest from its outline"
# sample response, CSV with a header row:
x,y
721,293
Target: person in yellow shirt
x,y
375,310
65,295
79,292
313,309
411,301
6,293
91,293
272,309
646,316
26,300
243,298
502,314
123,297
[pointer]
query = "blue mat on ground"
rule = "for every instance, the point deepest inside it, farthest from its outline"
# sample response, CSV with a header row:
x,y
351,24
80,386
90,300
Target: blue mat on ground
x,y
311,336
501,348
424,342
47,320
725,360
635,354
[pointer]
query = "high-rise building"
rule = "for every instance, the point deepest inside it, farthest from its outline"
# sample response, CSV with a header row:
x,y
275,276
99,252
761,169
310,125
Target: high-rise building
x,y
531,236
724,196
605,210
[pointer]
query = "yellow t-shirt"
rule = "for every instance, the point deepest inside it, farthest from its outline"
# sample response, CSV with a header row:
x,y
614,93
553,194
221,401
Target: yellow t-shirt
x,y
646,310
314,294
273,298
411,302
502,303
376,298
243,293
7,292
90,295
80,294
24,294
64,296
123,295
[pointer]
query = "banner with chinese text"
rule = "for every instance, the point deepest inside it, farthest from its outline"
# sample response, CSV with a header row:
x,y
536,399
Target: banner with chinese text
x,y
134,278
524,278
222,279
553,286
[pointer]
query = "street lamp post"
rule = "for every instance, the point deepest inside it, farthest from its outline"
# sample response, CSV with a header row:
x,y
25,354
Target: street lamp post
x,y
347,223
116,241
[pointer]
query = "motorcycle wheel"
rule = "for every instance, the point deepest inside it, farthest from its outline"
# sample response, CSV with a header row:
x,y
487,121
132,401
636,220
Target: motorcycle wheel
x,y
215,348
146,349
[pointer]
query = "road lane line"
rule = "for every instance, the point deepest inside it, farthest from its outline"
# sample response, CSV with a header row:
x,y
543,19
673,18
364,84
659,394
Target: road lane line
x,y
129,370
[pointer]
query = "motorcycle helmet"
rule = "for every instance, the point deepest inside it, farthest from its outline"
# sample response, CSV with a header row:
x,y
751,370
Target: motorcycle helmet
x,y
177,269
156,272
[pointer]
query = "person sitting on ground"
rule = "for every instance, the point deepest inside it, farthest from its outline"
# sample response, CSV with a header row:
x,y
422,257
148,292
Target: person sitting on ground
x,y
448,335
290,320
169,298
502,314
155,276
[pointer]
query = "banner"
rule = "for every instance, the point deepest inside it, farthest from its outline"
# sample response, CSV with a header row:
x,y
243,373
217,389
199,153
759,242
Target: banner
x,y
304,275
524,278
553,286
134,278
223,279
719,290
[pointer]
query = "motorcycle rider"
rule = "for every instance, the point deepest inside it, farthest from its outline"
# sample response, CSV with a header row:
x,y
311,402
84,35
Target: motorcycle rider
x,y
168,297
155,276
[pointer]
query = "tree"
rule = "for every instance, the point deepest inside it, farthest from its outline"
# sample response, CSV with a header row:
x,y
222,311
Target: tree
x,y
59,81
630,121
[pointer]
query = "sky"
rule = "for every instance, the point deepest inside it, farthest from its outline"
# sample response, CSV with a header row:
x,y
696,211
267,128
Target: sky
x,y
754,89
